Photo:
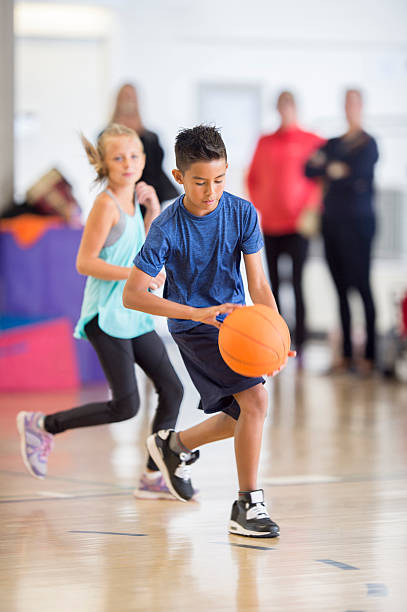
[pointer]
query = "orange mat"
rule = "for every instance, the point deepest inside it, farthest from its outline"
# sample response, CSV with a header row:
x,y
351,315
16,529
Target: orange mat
x,y
27,228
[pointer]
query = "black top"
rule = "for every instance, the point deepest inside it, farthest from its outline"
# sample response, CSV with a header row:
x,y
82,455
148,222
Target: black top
x,y
352,195
153,174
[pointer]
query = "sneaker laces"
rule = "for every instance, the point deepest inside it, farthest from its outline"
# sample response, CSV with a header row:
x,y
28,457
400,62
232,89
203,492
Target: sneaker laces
x,y
46,446
257,511
183,470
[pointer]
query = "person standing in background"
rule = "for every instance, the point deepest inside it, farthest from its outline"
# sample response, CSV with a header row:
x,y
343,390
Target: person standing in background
x,y
286,200
346,165
126,112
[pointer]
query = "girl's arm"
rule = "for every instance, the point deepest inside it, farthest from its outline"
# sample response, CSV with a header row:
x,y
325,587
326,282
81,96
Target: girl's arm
x,y
136,297
259,288
147,196
101,219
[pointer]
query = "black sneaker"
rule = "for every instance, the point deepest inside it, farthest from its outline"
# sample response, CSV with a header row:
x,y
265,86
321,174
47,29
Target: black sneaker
x,y
250,518
176,469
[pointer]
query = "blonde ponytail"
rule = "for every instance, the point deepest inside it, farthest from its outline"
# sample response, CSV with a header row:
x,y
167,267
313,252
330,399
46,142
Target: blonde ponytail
x,y
94,158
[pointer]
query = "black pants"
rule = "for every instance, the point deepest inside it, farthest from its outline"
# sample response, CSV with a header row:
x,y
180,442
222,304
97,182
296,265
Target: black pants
x,y
348,246
118,357
296,246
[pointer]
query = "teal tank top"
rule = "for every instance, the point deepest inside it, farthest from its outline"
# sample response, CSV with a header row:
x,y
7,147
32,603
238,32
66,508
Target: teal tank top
x,y
105,298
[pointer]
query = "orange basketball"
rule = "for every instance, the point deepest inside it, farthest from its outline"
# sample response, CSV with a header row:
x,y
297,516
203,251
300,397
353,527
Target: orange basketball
x,y
254,340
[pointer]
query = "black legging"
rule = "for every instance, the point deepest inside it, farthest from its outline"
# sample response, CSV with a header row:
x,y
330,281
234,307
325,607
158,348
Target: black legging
x,y
296,246
348,246
118,357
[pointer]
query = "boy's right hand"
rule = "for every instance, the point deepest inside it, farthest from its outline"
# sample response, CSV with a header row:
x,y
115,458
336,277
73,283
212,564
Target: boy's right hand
x,y
208,315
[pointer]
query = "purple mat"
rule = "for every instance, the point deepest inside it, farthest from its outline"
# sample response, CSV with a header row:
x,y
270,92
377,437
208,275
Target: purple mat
x,y
41,281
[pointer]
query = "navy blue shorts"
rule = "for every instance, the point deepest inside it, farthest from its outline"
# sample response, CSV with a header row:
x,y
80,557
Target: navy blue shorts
x,y
214,380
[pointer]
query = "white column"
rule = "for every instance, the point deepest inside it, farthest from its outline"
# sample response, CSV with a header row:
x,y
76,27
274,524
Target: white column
x,y
6,103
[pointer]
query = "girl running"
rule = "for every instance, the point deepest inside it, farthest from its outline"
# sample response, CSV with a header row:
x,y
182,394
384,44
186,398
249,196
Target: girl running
x,y
113,235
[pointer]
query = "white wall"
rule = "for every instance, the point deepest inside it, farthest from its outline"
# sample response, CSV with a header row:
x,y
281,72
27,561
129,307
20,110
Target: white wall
x,y
6,104
61,89
169,49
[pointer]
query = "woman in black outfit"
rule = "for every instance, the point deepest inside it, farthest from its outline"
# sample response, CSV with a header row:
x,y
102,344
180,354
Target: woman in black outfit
x,y
346,165
126,112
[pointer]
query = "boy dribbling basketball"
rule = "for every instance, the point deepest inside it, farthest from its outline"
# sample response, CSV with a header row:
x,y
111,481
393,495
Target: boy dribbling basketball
x,y
199,239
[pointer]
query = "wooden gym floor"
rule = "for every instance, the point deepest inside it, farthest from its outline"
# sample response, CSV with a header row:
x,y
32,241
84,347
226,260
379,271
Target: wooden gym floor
x,y
334,468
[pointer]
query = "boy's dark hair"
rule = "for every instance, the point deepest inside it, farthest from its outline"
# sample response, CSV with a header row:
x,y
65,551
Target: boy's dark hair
x,y
200,143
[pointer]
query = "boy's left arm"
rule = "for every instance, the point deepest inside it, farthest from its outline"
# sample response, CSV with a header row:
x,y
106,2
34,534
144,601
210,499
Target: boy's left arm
x,y
259,288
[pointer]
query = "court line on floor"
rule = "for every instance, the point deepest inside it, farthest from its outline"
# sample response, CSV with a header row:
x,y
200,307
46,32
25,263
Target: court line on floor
x,y
288,481
246,546
301,479
58,497
54,494
67,479
28,496
309,479
339,564
108,532
377,589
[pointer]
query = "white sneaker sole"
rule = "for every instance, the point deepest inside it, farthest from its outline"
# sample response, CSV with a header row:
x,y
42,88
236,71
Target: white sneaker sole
x,y
236,529
158,460
21,431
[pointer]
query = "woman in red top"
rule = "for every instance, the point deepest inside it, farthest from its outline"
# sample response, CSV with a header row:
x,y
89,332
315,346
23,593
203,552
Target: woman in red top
x,y
281,193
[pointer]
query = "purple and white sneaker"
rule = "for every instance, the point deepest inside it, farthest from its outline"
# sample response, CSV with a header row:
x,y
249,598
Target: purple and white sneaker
x,y
35,443
155,488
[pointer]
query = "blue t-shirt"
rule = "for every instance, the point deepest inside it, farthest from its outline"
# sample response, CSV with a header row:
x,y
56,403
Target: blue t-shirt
x,y
201,255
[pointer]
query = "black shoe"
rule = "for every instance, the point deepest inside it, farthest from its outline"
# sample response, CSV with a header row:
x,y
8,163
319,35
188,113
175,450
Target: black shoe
x,y
250,517
175,468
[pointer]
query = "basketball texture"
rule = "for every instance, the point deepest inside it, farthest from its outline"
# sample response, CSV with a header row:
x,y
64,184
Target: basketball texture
x,y
254,340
